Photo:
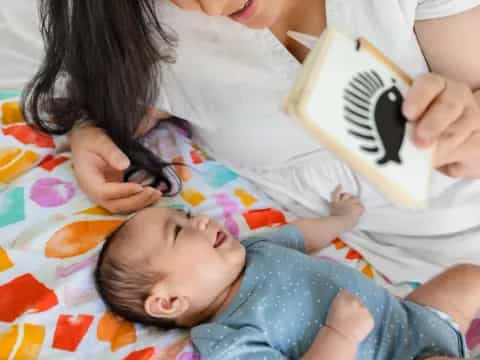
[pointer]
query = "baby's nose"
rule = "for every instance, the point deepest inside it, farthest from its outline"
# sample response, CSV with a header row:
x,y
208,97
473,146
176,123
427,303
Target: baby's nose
x,y
201,222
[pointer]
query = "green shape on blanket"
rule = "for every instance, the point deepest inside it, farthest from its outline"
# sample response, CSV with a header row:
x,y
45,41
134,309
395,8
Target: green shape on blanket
x,y
12,207
4,95
217,175
178,207
415,285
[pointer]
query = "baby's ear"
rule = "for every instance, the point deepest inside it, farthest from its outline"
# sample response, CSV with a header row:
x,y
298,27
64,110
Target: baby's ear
x,y
160,304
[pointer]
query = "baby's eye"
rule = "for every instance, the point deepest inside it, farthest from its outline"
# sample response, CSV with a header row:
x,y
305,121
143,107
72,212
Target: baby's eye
x,y
189,214
178,228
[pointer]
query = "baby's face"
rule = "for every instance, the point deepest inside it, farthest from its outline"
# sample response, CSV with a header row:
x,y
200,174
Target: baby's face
x,y
195,255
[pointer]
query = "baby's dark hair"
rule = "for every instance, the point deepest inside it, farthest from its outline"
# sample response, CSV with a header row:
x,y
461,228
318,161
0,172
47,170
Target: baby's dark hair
x,y
125,285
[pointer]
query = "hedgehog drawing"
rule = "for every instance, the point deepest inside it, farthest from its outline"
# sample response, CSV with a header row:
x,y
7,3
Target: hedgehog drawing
x,y
373,111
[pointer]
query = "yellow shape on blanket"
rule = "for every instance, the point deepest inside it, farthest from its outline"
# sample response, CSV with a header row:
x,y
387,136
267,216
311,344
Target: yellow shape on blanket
x,y
79,237
14,161
368,271
96,210
116,331
8,340
33,336
245,198
193,197
5,262
11,113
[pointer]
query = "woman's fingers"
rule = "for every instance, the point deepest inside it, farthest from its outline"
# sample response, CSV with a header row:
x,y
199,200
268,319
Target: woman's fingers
x,y
113,191
111,153
133,203
445,110
423,92
454,136
464,160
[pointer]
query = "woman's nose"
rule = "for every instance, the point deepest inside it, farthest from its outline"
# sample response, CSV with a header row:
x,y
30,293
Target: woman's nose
x,y
213,7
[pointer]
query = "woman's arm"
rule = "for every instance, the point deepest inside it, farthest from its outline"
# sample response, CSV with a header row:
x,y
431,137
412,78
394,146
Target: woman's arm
x,y
445,104
451,46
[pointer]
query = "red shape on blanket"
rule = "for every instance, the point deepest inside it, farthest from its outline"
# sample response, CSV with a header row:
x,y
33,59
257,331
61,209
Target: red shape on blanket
x,y
196,159
264,218
353,255
29,136
144,354
51,162
22,294
70,331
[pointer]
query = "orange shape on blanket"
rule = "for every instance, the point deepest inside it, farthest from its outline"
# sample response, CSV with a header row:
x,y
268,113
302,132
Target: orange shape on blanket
x,y
5,262
22,294
11,113
353,255
29,136
70,331
51,162
96,210
33,337
144,354
193,197
339,244
8,339
264,218
245,198
368,271
116,331
78,238
14,161
183,171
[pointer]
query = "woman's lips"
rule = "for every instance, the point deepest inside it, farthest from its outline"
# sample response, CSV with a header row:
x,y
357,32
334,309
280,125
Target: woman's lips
x,y
245,13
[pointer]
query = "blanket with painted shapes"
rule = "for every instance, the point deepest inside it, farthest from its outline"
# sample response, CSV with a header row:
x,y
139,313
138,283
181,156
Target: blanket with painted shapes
x,y
50,236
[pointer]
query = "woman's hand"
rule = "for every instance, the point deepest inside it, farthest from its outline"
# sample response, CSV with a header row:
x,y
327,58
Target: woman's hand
x,y
447,113
99,166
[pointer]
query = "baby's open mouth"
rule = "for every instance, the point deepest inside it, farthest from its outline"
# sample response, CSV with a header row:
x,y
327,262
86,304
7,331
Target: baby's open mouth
x,y
221,237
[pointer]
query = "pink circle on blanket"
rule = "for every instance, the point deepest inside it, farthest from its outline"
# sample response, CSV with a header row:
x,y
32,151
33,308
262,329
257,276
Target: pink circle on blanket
x,y
190,356
51,192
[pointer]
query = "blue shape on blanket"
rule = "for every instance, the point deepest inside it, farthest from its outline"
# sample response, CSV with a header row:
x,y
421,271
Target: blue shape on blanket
x,y
217,175
12,207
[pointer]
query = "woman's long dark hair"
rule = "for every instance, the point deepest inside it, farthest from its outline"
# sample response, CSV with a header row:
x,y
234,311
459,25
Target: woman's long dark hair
x,y
102,65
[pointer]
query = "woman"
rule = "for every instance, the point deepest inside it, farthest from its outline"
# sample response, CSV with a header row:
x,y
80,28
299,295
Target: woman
x,y
233,65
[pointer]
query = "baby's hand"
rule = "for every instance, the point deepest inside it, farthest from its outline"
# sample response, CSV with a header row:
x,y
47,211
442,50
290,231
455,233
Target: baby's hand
x,y
347,206
349,317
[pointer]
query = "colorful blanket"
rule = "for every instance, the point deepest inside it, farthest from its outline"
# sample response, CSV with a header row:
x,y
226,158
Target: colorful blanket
x,y
50,236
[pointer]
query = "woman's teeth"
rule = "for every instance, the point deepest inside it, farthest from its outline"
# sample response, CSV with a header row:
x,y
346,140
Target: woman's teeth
x,y
245,5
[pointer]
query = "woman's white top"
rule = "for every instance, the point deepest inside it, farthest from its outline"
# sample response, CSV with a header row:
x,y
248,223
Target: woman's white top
x,y
229,81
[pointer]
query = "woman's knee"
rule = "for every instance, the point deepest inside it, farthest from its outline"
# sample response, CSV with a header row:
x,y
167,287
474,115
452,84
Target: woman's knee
x,y
466,271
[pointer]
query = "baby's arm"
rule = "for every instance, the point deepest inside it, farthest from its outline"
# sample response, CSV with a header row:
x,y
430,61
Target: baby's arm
x,y
345,210
348,323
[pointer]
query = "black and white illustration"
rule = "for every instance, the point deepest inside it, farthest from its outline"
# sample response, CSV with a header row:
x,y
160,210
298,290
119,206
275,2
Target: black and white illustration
x,y
373,111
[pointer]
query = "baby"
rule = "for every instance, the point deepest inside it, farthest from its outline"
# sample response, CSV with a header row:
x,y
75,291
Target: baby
x,y
264,298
